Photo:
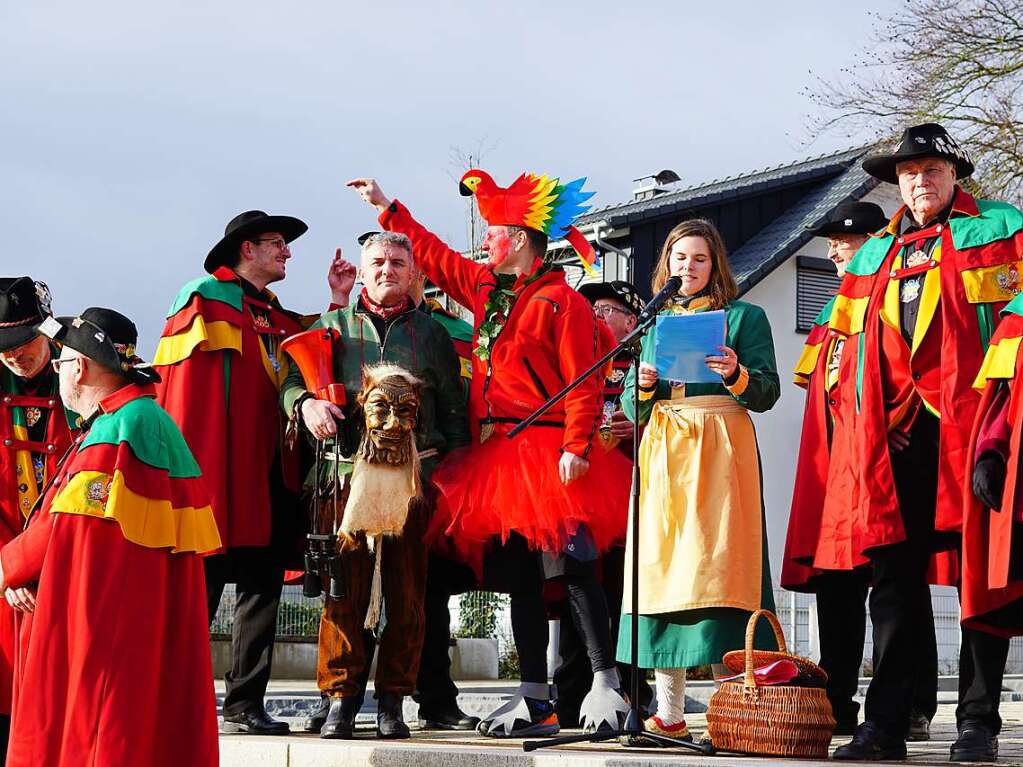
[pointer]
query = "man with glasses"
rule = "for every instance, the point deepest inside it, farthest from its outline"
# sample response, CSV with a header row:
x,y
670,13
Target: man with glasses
x,y
34,433
222,371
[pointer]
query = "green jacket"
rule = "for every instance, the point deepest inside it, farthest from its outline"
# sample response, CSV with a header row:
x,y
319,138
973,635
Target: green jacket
x,y
417,343
748,333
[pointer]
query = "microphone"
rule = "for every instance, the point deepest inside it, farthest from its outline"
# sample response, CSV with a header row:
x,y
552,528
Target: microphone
x,y
671,287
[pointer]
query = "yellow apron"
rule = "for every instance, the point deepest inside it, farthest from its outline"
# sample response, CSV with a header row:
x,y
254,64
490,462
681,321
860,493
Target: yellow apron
x,y
700,516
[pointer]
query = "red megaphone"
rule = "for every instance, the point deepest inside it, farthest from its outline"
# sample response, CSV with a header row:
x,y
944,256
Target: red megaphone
x,y
313,352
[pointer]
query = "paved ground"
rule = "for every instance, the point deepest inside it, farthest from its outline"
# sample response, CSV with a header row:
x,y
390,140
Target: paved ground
x,y
457,750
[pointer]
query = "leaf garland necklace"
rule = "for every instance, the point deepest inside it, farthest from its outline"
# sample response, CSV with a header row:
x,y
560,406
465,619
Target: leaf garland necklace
x,y
498,306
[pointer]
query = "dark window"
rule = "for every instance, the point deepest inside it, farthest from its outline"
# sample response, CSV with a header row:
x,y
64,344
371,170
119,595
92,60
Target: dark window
x,y
816,283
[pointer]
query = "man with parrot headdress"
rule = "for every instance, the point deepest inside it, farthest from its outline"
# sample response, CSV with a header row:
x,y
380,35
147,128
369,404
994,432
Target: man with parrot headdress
x,y
553,489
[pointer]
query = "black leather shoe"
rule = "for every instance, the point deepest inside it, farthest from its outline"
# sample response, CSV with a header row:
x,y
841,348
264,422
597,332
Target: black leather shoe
x,y
340,722
446,717
314,722
844,726
976,743
869,744
255,721
390,723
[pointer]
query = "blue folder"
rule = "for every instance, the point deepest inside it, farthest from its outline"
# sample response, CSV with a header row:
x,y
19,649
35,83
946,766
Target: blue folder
x,y
683,343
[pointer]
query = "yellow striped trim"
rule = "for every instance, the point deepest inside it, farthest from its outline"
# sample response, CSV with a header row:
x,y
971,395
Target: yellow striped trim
x,y
147,522
740,385
989,284
849,313
807,361
207,337
644,395
999,362
24,470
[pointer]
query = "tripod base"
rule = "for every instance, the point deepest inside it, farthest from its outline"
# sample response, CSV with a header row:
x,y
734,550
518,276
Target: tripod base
x,y
626,737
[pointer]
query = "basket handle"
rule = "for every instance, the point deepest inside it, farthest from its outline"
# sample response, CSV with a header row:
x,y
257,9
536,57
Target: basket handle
x,y
751,628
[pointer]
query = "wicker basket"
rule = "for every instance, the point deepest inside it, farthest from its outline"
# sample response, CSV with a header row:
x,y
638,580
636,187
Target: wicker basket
x,y
774,720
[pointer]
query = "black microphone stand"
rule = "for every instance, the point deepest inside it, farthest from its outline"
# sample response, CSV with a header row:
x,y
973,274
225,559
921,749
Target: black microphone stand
x,y
633,731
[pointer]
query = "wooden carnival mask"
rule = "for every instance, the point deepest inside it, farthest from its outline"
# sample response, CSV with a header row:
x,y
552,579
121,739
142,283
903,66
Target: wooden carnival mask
x,y
385,478
390,406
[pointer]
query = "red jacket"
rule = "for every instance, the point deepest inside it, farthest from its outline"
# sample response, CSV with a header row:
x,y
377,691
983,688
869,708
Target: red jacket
x,y
550,337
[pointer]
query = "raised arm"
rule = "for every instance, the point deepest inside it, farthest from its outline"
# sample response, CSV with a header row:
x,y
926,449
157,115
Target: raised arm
x,y
456,275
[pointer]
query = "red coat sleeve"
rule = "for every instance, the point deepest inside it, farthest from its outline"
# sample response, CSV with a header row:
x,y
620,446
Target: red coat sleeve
x,y
448,269
579,343
22,558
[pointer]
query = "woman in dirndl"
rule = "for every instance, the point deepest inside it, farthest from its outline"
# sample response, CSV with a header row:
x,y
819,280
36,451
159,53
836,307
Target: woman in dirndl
x,y
703,564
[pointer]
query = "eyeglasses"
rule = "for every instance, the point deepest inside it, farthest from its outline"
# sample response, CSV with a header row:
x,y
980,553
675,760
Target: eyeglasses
x,y
276,242
55,364
604,311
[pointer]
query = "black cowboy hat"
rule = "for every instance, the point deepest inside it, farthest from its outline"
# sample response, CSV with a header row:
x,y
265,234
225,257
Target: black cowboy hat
x,y
245,226
24,303
919,141
621,291
851,218
103,335
361,239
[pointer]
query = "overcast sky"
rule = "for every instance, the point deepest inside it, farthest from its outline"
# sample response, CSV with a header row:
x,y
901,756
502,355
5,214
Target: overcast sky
x,y
133,131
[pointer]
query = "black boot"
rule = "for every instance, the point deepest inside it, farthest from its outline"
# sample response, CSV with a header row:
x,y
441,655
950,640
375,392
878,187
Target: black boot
x,y
314,722
390,723
446,717
340,723
976,743
869,744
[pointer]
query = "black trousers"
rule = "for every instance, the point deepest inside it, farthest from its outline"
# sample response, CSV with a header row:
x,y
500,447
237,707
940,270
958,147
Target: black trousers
x,y
574,677
982,659
259,578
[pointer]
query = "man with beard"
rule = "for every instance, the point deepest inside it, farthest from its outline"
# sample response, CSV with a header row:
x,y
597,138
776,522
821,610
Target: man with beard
x,y
382,326
34,434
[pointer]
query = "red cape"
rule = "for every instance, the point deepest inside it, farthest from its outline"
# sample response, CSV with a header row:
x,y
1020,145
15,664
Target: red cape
x,y
12,520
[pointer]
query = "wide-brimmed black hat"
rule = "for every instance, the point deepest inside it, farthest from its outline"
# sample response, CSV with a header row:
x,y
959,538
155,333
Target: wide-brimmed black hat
x,y
927,140
24,303
245,226
103,335
361,239
621,291
851,218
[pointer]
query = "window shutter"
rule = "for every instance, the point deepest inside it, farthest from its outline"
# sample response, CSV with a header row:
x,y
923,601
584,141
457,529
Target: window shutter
x,y
816,283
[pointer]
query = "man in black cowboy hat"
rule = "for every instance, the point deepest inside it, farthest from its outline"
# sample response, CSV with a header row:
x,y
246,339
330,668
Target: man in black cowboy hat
x,y
109,567
918,304
223,369
618,304
34,433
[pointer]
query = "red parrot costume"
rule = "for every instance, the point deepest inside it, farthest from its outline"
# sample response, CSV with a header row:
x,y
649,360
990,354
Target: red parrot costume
x,y
211,344
26,466
117,646
533,335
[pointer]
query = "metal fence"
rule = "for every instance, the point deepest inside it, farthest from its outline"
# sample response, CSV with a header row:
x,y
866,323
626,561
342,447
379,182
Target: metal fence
x,y
481,614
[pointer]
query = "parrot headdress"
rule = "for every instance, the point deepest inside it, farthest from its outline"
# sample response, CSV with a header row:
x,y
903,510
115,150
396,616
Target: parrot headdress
x,y
535,202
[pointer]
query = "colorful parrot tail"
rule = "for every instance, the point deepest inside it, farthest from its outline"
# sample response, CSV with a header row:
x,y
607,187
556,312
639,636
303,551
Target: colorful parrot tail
x,y
585,251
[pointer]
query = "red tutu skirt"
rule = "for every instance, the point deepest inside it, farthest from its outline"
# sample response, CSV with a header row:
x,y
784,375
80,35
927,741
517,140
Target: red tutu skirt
x,y
505,486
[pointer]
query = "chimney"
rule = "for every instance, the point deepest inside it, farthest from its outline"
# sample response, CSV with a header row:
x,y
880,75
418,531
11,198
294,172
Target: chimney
x,y
653,185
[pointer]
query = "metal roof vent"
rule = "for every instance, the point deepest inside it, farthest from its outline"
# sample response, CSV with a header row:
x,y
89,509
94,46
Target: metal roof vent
x,y
653,185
